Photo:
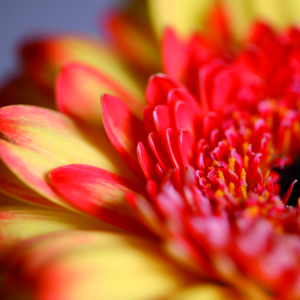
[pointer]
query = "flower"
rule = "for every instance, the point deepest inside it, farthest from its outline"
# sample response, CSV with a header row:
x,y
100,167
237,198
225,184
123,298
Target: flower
x,y
215,127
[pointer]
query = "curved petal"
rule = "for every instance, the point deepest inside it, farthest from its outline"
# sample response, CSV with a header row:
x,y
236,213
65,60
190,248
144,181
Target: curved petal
x,y
124,130
141,49
184,16
98,193
22,222
35,141
82,101
91,265
11,185
45,55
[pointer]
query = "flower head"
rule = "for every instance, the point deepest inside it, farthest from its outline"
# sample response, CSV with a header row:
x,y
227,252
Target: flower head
x,y
201,179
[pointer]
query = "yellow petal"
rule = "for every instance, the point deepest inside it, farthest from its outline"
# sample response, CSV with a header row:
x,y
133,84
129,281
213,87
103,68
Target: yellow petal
x,y
271,11
20,222
92,266
12,186
205,291
240,15
36,140
45,56
185,16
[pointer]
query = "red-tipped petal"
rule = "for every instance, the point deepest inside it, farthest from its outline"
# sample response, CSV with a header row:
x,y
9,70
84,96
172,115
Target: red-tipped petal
x,y
124,130
82,100
158,88
98,193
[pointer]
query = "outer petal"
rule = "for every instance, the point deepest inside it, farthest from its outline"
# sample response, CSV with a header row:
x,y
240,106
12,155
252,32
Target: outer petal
x,y
21,222
141,49
35,141
86,265
20,90
44,56
124,130
11,185
82,101
98,193
184,16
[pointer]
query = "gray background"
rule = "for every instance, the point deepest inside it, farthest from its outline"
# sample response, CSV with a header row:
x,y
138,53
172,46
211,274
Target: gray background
x,y
21,18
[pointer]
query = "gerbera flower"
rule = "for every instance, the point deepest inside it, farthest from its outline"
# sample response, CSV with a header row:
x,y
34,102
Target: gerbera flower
x,y
215,127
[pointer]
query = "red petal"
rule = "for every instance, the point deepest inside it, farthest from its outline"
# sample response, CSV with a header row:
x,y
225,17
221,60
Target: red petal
x,y
159,152
98,193
82,100
148,164
174,54
158,88
124,130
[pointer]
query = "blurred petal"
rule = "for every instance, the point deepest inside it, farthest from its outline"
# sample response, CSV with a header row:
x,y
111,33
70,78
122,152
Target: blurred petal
x,y
11,185
44,56
141,49
7,200
204,291
35,141
98,193
22,222
82,101
20,90
124,130
184,16
88,265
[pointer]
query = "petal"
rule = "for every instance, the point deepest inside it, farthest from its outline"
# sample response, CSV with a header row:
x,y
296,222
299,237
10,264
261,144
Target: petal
x,y
184,16
158,88
82,101
91,265
22,222
174,54
20,90
35,141
11,185
44,56
141,49
205,291
98,193
124,130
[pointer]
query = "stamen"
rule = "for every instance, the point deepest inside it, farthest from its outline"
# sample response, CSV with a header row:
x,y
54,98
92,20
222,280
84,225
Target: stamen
x,y
231,163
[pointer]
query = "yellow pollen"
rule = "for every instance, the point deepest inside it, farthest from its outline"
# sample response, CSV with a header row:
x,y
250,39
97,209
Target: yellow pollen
x,y
245,147
243,175
215,163
252,211
266,195
208,186
244,193
231,163
243,188
246,161
219,193
231,188
221,175
266,177
262,199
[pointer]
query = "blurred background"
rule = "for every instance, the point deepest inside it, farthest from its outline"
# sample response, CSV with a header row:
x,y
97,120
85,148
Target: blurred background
x,y
21,18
